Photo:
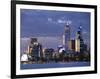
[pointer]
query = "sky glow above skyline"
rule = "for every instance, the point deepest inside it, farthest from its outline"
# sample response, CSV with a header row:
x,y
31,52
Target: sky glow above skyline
x,y
50,24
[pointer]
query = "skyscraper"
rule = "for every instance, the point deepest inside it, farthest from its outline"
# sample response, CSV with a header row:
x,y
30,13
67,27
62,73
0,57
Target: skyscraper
x,y
35,49
79,40
72,45
32,41
66,37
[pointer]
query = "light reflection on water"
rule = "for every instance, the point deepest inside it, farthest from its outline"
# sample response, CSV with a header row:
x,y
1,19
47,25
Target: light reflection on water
x,y
55,65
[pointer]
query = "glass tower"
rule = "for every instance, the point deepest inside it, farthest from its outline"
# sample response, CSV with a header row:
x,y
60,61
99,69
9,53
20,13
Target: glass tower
x,y
66,37
79,40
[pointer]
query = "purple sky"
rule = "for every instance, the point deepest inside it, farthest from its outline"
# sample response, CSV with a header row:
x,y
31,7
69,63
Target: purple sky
x,y
49,25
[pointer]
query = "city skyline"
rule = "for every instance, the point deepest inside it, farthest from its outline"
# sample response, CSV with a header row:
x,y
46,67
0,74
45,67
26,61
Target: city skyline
x,y
51,25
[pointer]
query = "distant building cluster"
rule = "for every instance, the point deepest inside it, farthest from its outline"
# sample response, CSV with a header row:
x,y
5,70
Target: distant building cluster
x,y
76,44
70,50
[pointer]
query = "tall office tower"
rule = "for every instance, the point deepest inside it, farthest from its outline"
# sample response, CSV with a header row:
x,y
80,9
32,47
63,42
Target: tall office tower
x,y
66,37
35,48
72,45
79,41
32,41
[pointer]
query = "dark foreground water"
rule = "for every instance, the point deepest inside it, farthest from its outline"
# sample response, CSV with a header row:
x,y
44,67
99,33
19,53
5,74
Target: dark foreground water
x,y
54,65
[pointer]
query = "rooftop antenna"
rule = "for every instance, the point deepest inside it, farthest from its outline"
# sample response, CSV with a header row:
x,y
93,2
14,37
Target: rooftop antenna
x,y
80,27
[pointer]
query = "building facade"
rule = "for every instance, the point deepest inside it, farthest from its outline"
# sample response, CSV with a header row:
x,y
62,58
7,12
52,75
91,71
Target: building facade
x,y
79,43
48,54
66,37
35,49
72,45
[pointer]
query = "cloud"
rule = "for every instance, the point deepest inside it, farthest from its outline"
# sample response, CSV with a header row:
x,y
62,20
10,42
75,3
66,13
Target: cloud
x,y
50,42
24,44
64,21
49,19
84,32
59,21
24,39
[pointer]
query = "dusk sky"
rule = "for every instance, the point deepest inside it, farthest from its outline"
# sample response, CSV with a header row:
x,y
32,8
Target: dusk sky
x,y
50,24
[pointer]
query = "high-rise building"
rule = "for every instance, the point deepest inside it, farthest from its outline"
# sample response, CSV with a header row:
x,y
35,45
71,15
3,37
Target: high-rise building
x,y
35,49
32,41
79,41
77,45
72,45
48,53
66,37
